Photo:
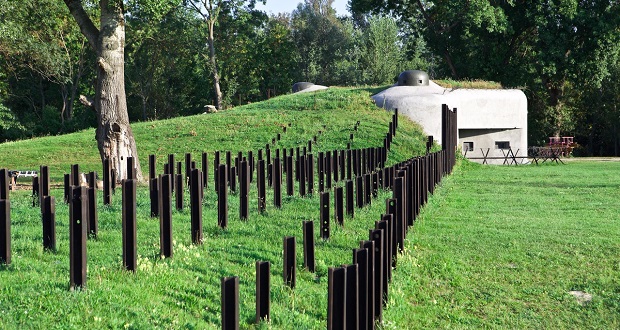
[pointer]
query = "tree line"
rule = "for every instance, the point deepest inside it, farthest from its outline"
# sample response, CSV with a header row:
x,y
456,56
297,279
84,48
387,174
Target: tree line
x,y
181,55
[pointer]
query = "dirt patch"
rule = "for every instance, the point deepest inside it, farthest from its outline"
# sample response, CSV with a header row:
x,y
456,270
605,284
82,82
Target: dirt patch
x,y
582,297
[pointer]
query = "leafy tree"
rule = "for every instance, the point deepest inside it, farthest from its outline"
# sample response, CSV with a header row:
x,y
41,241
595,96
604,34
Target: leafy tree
x,y
276,59
10,127
320,40
45,54
549,46
383,53
210,11
164,71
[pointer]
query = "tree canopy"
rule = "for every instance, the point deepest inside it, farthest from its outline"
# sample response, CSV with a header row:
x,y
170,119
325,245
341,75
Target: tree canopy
x,y
563,54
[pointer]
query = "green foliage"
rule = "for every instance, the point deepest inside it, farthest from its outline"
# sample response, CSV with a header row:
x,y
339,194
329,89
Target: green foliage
x,y
10,127
382,54
320,40
559,50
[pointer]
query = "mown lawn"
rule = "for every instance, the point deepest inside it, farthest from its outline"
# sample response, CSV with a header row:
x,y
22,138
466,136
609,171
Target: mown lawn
x,y
184,291
502,247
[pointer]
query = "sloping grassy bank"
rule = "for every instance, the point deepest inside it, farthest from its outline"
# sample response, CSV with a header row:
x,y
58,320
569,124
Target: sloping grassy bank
x,y
503,247
184,291
333,112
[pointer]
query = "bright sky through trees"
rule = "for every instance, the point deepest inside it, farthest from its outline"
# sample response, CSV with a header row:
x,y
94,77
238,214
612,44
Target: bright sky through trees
x,y
279,6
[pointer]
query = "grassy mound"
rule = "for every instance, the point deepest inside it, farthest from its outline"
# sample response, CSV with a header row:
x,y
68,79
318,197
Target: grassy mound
x,y
184,291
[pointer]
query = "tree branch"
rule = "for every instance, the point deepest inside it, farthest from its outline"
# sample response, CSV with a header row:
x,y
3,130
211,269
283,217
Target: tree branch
x,y
87,101
88,28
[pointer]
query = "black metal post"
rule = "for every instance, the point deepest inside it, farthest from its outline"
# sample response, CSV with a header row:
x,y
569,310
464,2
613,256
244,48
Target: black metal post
x,y
324,209
336,298
196,205
165,214
78,207
308,232
130,250
222,196
230,303
263,290
289,269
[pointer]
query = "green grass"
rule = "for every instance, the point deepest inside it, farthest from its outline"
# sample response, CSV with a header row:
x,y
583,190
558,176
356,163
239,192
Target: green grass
x,y
184,291
468,84
501,247
243,128
496,247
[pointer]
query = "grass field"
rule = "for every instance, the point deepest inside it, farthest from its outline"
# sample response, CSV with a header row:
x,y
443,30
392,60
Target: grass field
x,y
502,247
496,247
184,291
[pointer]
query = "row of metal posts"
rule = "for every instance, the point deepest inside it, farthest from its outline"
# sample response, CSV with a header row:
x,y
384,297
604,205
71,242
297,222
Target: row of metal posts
x,y
387,236
351,295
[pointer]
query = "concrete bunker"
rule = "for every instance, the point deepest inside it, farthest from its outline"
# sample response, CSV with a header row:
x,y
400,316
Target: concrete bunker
x,y
491,122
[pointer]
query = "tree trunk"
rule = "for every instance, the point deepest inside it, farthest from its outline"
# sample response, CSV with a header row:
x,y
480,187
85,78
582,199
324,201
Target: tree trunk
x,y
555,95
114,135
216,76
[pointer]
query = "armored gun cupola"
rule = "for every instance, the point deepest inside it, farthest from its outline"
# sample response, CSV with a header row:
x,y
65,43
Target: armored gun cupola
x,y
413,78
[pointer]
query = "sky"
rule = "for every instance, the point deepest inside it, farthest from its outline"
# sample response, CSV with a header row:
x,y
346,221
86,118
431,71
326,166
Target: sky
x,y
278,6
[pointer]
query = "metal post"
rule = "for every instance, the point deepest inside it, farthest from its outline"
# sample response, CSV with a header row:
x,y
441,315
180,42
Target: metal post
x,y
328,169
324,209
352,296
4,184
48,217
360,257
244,190
5,231
165,214
336,298
130,250
359,191
369,246
308,232
196,205
77,237
222,196
263,290
377,237
107,182
154,196
301,173
93,216
290,176
261,186
230,303
310,166
339,205
349,202
277,183
289,269
205,170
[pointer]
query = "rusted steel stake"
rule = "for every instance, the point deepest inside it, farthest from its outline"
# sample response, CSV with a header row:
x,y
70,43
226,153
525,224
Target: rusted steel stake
x,y
230,303
165,214
263,290
336,298
308,232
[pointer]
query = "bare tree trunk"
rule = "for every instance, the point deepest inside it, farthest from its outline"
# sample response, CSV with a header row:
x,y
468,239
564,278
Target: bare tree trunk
x,y
555,102
65,100
114,136
216,75
76,83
